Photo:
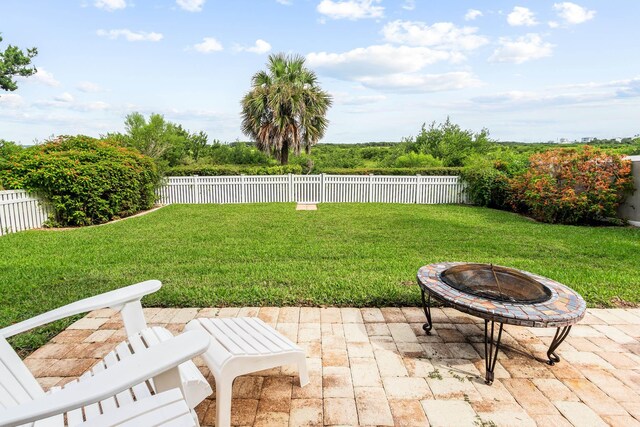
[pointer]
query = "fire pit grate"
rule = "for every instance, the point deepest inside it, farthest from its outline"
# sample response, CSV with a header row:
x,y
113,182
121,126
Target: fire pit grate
x,y
496,283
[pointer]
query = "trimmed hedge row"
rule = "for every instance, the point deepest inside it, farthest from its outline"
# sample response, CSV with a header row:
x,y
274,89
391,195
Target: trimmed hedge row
x,y
439,171
222,170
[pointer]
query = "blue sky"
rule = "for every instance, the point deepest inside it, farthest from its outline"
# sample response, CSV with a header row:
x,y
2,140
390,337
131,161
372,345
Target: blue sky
x,y
526,70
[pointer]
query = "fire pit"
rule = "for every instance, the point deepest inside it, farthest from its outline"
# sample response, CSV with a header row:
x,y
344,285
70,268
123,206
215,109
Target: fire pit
x,y
501,295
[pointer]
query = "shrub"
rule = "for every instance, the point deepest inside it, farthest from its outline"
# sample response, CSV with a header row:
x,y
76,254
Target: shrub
x,y
451,171
487,177
417,160
450,143
487,186
222,170
572,186
86,181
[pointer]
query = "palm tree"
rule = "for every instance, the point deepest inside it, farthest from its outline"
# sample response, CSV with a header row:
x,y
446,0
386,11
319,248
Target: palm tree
x,y
285,108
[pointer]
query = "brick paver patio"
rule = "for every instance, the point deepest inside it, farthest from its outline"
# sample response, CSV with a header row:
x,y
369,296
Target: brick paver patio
x,y
377,367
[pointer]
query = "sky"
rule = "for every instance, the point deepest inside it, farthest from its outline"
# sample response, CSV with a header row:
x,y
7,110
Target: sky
x,y
527,70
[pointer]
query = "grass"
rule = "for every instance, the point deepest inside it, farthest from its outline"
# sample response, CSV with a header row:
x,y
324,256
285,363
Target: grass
x,y
270,254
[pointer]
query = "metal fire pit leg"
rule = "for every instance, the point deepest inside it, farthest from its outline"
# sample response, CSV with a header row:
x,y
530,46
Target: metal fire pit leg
x,y
490,354
560,336
426,306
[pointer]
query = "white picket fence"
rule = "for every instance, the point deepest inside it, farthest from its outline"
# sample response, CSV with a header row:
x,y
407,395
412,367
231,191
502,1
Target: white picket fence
x,y
313,189
20,211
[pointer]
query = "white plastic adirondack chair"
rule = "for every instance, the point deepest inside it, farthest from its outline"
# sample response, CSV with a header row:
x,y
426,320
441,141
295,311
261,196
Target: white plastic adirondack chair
x,y
104,394
240,346
141,341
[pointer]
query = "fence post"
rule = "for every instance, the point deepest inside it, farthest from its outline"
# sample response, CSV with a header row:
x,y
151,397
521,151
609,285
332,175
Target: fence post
x,y
290,188
370,187
418,188
322,196
243,192
196,189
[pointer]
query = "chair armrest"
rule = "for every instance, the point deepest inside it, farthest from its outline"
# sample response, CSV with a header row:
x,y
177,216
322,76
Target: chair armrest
x,y
122,376
114,299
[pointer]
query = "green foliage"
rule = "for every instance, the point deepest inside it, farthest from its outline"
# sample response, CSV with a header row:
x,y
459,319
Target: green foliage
x,y
487,186
286,109
440,171
197,144
487,177
222,170
417,160
7,150
86,181
451,144
14,62
572,186
234,154
166,142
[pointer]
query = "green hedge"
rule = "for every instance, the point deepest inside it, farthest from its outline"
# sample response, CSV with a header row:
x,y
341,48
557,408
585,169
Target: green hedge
x,y
222,170
440,171
85,180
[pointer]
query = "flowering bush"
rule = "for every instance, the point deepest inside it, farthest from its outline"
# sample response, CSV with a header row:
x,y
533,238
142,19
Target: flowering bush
x,y
572,186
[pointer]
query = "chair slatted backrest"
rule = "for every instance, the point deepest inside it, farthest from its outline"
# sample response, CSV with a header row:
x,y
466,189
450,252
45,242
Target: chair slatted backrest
x,y
17,384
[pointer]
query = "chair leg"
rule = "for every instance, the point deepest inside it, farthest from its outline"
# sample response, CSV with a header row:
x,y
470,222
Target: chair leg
x,y
195,418
303,374
223,402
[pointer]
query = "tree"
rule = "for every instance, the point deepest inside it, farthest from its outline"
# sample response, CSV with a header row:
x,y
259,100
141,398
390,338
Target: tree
x,y
285,109
14,62
196,144
448,142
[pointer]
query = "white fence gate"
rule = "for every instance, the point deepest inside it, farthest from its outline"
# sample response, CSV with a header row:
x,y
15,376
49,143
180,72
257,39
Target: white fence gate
x,y
20,211
313,189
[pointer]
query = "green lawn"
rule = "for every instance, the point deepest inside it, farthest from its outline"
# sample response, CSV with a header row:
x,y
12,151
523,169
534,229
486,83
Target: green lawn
x,y
269,254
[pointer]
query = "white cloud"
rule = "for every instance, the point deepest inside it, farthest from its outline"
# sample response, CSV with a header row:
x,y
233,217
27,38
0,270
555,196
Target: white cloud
x,y
553,24
64,102
44,77
521,49
131,36
393,68
259,47
110,5
572,13
378,60
415,83
521,16
602,93
208,45
284,2
95,106
64,97
191,5
622,88
439,35
472,14
409,4
351,9
12,101
348,99
88,87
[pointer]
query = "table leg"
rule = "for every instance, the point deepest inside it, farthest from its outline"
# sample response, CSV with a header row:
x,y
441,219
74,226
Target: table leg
x,y
490,353
560,336
426,306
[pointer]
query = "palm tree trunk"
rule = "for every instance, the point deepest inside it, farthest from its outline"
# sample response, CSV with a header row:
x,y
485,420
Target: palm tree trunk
x,y
284,154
